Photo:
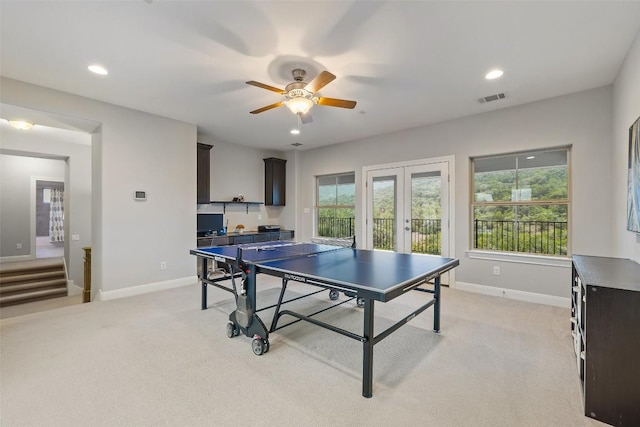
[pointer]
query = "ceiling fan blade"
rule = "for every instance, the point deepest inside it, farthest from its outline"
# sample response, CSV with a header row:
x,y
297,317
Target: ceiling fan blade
x,y
306,118
332,102
267,87
321,80
268,107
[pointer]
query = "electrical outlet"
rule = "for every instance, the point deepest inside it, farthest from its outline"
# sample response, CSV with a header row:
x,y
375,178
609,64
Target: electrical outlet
x,y
163,265
496,270
19,246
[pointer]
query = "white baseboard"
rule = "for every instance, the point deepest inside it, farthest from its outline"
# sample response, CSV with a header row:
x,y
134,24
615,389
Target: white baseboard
x,y
16,258
514,294
147,288
72,289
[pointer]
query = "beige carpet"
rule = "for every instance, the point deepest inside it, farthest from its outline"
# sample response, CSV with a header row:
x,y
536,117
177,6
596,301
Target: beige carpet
x,y
157,359
39,306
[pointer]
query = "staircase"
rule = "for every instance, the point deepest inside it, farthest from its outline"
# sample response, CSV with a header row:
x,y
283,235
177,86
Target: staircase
x,y
28,281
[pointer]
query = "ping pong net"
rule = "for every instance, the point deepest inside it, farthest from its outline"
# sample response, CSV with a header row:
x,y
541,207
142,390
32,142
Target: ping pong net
x,y
281,250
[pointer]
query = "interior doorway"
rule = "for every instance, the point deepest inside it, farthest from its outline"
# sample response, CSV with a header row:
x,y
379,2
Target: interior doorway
x,y
49,218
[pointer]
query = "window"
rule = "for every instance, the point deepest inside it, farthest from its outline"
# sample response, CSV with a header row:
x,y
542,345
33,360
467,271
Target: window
x,y
335,205
521,202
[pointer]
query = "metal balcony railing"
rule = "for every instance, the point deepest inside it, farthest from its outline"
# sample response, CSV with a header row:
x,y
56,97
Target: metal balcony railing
x,y
537,237
336,227
425,233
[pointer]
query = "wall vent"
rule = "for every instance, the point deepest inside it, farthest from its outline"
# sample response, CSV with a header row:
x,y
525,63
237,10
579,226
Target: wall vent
x,y
296,144
490,98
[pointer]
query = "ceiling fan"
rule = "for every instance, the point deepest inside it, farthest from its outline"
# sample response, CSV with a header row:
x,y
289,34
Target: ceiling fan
x,y
301,96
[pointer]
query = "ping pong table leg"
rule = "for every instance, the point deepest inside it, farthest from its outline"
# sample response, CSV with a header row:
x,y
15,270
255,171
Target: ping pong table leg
x,y
367,349
436,305
204,284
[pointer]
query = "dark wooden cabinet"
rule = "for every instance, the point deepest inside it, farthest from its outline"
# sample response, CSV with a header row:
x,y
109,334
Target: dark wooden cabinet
x,y
274,181
262,237
213,241
285,235
238,240
605,325
203,173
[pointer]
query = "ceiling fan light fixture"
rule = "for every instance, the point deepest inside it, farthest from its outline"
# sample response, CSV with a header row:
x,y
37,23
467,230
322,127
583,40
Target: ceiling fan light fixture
x,y
300,96
299,105
21,124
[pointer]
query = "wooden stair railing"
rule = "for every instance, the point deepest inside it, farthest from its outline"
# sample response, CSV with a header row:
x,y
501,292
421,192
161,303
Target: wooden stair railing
x,y
86,293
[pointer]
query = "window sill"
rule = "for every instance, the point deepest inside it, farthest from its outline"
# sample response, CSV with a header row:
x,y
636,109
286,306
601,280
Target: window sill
x,y
551,261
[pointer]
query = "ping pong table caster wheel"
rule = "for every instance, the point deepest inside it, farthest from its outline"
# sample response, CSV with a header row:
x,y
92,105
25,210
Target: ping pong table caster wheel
x,y
232,330
360,302
334,295
259,346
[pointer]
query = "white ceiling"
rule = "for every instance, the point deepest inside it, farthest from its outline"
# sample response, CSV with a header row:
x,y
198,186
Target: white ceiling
x,y
407,64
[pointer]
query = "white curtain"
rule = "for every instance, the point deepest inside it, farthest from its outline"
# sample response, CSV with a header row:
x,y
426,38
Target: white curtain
x,y
56,215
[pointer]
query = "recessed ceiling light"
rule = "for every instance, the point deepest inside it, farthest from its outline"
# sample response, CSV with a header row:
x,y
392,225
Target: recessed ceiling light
x,y
295,131
98,69
21,124
494,74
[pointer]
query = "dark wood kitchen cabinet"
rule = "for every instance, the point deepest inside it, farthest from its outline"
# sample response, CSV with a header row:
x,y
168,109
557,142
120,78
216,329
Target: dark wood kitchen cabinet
x,y
203,173
274,181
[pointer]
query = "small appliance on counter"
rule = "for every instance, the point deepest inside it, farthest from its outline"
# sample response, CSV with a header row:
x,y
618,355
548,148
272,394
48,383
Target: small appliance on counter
x,y
268,228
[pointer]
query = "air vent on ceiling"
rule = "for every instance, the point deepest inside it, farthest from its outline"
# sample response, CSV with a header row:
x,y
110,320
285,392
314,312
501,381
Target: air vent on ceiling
x,y
296,144
490,98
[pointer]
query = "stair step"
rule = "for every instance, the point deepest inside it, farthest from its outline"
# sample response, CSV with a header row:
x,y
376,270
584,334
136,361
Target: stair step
x,y
27,281
33,286
22,298
28,266
17,277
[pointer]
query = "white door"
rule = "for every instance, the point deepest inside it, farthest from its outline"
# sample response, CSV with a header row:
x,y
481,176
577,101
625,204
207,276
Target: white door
x,y
408,208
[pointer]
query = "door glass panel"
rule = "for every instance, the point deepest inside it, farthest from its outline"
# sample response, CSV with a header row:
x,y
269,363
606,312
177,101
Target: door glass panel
x,y
426,213
384,212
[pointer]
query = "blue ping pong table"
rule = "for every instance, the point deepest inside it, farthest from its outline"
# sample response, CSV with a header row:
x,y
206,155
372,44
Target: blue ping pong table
x,y
364,275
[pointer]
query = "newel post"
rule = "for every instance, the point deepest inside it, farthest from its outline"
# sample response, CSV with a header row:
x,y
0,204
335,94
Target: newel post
x,y
86,294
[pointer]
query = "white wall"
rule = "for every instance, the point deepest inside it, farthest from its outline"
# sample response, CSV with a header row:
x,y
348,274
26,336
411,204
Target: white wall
x,y
75,149
238,170
626,110
131,151
582,120
16,173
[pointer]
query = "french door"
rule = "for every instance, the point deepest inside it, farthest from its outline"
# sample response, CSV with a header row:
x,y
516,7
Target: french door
x,y
408,208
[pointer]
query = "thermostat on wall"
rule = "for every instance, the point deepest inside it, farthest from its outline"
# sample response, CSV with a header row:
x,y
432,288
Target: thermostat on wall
x,y
139,195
